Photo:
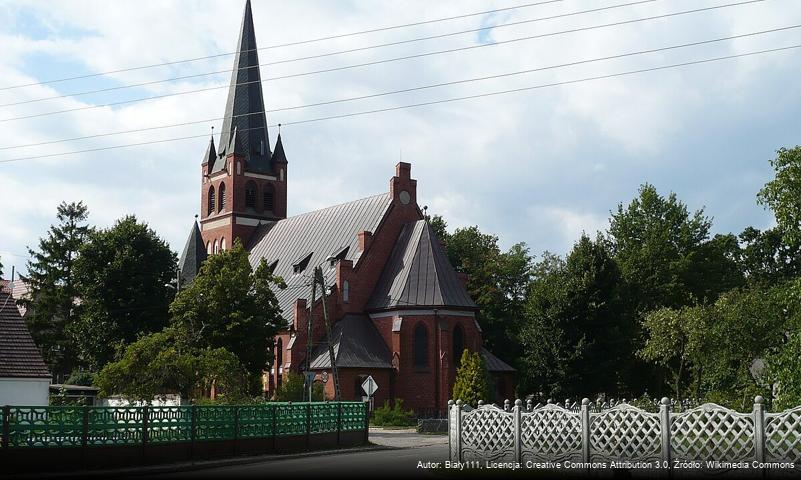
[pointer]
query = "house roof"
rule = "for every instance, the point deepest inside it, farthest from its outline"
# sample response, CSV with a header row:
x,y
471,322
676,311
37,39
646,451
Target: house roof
x,y
193,255
320,233
244,129
495,364
19,356
357,344
419,274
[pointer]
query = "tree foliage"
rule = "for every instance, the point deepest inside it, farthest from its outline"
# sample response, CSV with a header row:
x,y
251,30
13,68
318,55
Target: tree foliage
x,y
166,362
293,387
231,306
124,275
472,380
574,341
53,291
783,194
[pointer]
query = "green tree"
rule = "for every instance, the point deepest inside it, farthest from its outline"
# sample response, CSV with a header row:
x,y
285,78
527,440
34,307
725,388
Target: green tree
x,y
124,275
51,279
765,259
292,389
783,194
165,362
472,380
784,370
231,306
574,340
496,281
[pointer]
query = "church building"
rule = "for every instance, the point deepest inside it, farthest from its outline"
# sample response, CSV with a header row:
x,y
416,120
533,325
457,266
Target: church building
x,y
399,311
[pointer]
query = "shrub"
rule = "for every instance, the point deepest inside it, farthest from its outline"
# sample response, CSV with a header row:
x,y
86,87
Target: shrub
x,y
387,416
472,380
291,389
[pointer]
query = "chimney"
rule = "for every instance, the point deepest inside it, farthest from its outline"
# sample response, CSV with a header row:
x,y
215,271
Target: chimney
x,y
365,240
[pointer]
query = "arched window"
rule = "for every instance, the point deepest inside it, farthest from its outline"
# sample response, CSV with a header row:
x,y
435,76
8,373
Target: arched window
x,y
216,247
250,195
211,200
420,345
458,344
208,248
346,291
269,198
222,244
222,197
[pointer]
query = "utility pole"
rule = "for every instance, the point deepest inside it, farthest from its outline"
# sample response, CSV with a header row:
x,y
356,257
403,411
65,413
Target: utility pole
x,y
318,275
310,339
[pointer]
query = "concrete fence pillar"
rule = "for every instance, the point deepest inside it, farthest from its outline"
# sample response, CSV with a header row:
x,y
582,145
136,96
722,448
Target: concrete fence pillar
x,y
664,417
518,413
458,430
585,430
759,429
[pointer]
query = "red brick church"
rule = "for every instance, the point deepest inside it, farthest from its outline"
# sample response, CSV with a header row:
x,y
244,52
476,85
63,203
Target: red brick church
x,y
400,312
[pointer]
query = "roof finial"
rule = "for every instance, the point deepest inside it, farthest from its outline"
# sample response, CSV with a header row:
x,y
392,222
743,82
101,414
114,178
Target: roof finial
x,y
196,217
279,129
425,213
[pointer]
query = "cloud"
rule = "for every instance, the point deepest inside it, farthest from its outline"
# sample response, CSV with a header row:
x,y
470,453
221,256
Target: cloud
x,y
539,166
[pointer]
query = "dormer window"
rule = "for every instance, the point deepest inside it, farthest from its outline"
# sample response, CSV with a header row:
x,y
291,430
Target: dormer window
x,y
339,254
300,265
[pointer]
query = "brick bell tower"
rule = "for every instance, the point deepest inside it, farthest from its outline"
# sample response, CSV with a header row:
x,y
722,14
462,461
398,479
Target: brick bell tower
x,y
243,182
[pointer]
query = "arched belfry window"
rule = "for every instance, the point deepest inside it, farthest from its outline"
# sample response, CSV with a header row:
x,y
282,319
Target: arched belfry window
x,y
250,195
420,346
269,198
222,244
211,200
458,344
222,197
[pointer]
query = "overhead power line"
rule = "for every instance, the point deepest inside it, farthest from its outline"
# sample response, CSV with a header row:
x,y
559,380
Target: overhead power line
x,y
281,45
435,102
329,54
407,57
421,87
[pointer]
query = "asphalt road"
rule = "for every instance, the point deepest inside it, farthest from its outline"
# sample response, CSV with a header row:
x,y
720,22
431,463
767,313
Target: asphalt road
x,y
393,463
402,460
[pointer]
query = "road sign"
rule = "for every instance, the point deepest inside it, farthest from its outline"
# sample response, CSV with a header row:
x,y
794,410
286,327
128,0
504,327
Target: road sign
x,y
324,377
310,377
369,386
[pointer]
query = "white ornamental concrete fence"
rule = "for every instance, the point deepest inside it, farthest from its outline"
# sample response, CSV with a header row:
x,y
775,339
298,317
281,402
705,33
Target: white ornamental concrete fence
x,y
624,433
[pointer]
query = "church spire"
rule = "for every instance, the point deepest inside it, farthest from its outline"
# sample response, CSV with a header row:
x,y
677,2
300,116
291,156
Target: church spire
x,y
244,110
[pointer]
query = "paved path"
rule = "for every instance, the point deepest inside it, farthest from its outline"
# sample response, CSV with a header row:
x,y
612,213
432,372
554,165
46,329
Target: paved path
x,y
405,438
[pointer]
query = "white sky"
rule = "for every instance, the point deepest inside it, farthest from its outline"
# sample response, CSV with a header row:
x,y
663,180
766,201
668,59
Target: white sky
x,y
539,166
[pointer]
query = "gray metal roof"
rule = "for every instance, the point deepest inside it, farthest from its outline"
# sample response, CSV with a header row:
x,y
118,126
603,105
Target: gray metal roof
x,y
19,355
320,233
357,344
244,128
193,255
495,364
419,274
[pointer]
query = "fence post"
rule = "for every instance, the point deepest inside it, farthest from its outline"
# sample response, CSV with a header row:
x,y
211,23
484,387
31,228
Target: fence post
x,y
366,422
84,433
458,430
236,429
308,425
585,430
275,425
145,432
664,416
193,431
6,427
339,422
518,413
759,429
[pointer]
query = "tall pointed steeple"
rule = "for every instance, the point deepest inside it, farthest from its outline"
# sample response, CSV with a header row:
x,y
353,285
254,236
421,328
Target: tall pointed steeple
x,y
244,110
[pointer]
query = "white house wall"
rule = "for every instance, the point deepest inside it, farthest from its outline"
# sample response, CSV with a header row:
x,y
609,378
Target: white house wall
x,y
24,391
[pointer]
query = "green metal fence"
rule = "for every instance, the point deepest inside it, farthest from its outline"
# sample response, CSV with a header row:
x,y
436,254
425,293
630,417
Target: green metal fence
x,y
42,427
